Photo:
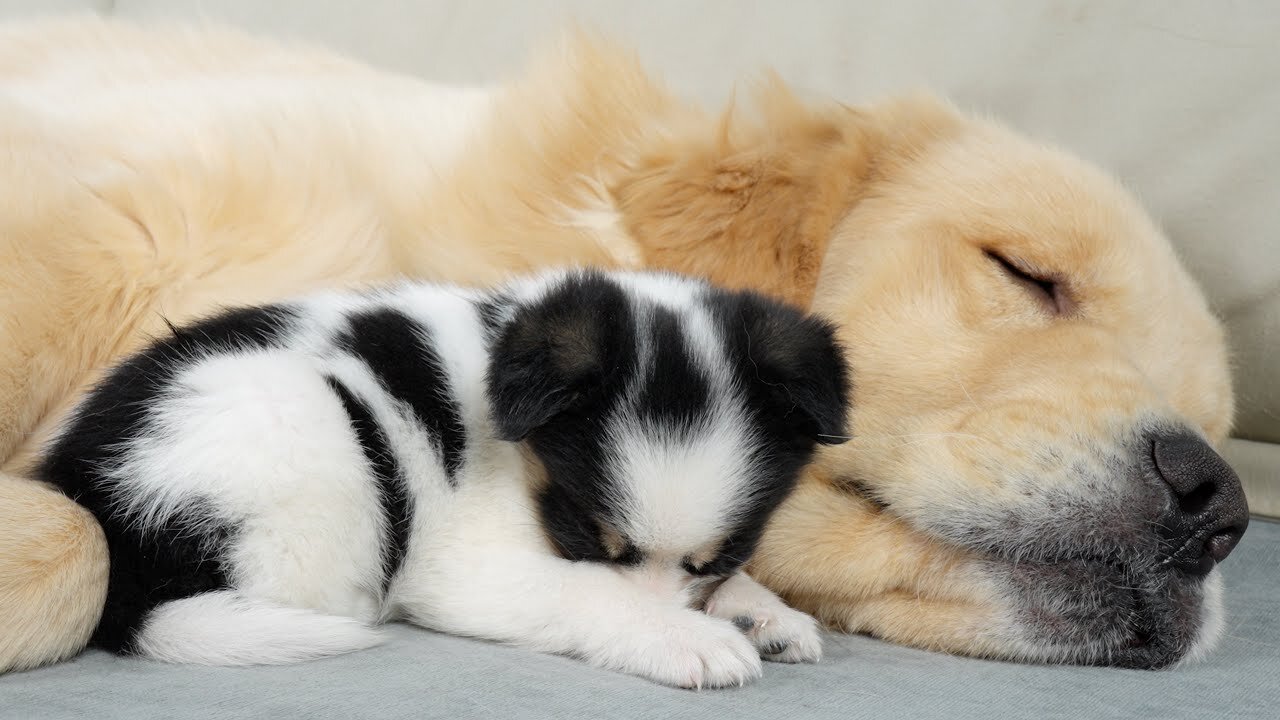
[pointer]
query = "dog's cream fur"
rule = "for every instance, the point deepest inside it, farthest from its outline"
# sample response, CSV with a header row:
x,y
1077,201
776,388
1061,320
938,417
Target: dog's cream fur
x,y
156,174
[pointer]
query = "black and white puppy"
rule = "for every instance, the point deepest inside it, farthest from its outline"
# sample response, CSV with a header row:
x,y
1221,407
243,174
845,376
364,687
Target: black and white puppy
x,y
568,463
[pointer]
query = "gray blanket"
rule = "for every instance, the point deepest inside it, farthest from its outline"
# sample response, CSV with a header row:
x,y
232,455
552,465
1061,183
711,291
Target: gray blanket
x,y
424,675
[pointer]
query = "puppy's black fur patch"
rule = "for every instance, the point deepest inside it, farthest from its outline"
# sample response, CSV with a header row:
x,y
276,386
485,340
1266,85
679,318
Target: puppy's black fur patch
x,y
797,381
393,495
562,354
400,353
492,311
791,362
179,557
675,392
565,357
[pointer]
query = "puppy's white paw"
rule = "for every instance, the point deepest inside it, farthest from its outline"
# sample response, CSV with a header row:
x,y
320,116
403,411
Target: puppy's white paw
x,y
780,633
690,650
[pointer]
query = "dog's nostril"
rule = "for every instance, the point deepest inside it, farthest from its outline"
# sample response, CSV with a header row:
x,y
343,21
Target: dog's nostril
x,y
1194,502
1207,513
1220,544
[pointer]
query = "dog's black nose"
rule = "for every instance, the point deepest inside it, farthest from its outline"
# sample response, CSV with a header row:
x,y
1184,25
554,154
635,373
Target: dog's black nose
x,y
1208,512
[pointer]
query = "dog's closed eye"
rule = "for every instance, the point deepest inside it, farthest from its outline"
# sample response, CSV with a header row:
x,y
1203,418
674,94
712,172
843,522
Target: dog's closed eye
x,y
1050,292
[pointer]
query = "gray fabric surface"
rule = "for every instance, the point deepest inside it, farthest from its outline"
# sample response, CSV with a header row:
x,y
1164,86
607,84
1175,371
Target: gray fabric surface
x,y
424,675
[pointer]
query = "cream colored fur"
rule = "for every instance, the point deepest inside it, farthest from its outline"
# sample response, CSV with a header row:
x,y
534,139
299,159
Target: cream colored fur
x,y
156,174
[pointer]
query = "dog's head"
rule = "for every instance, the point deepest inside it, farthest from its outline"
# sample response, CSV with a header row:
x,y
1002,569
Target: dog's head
x,y
671,418
1040,381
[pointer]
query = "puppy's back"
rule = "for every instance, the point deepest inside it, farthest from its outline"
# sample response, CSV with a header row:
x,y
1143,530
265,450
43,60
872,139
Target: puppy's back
x,y
300,420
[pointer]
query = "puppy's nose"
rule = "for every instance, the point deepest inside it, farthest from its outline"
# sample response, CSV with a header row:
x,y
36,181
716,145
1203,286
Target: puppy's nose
x,y
1208,512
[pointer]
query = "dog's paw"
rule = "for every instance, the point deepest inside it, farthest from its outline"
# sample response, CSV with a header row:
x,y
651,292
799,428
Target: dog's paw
x,y
779,633
689,650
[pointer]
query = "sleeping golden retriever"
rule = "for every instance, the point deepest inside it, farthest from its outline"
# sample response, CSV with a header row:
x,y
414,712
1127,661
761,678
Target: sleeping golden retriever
x,y
1038,380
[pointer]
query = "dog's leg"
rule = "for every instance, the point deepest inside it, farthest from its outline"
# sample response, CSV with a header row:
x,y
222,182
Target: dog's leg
x,y
53,574
781,633
586,610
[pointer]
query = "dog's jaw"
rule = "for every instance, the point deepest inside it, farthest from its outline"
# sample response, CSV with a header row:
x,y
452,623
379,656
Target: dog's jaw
x,y
1118,616
932,594
1212,620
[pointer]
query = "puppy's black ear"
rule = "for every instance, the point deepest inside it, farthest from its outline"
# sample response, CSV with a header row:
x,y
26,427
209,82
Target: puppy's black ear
x,y
794,361
556,353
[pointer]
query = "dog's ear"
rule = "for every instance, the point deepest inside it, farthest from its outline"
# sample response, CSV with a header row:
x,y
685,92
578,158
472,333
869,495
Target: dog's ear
x,y
751,203
794,361
755,202
555,353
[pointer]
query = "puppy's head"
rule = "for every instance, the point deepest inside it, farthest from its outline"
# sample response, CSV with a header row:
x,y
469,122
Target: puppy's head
x,y
672,417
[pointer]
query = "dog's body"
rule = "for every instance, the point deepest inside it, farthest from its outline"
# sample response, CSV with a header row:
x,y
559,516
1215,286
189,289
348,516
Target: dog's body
x,y
275,480
1025,339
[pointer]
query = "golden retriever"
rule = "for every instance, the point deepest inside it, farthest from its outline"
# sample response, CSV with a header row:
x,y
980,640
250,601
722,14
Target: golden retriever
x,y
1036,374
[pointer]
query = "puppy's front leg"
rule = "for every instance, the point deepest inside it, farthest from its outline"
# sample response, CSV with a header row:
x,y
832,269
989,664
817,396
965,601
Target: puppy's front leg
x,y
587,610
781,633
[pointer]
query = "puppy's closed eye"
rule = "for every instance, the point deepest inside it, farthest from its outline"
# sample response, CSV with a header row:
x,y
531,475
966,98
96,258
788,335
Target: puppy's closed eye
x,y
618,548
691,568
702,570
1049,291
